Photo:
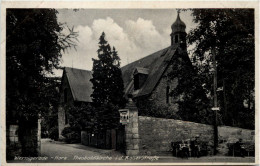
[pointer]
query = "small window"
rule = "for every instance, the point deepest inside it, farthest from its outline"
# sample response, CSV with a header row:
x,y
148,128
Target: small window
x,y
176,39
136,81
65,95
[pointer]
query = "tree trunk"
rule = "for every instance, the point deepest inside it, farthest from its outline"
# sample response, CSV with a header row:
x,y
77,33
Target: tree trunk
x,y
28,136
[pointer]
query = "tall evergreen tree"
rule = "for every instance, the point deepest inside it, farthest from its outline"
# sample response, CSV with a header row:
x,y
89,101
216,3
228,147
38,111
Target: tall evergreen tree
x,y
108,85
117,83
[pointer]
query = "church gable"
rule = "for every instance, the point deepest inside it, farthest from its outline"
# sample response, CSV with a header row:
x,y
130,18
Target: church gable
x,y
166,84
160,102
66,96
77,83
155,63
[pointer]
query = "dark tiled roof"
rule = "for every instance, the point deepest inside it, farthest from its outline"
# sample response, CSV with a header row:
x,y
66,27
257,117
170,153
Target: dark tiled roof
x,y
156,63
79,82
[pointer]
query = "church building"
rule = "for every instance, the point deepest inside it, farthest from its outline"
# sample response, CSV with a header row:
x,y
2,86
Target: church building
x,y
148,80
153,124
145,79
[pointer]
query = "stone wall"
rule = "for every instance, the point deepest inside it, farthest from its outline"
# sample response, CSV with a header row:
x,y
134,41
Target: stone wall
x,y
156,135
158,96
12,141
61,120
156,104
23,139
12,134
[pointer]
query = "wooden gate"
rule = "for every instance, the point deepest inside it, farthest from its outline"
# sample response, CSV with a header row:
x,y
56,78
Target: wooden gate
x,y
113,139
120,139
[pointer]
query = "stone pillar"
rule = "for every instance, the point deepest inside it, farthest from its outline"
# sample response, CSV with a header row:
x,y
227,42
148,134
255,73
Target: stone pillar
x,y
61,120
39,137
131,130
84,138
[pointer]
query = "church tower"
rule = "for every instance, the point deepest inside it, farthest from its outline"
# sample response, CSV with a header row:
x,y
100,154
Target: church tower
x,y
178,35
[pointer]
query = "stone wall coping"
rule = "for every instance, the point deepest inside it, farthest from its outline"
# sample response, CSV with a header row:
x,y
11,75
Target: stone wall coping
x,y
179,121
234,128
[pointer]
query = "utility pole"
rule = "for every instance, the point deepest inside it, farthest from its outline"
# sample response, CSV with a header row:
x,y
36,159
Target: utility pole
x,y
225,100
215,108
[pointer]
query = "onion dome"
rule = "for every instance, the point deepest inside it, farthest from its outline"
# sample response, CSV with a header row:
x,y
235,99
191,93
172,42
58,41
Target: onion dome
x,y
178,25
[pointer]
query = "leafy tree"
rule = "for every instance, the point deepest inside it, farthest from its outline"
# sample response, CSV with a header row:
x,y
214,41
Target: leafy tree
x,y
49,123
230,33
80,117
189,93
34,41
108,85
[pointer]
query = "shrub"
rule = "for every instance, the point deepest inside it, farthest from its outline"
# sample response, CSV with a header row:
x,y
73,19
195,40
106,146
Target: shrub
x,y
71,135
54,133
81,117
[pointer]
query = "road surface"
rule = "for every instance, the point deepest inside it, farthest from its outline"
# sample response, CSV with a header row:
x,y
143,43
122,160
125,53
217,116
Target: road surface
x,y
58,152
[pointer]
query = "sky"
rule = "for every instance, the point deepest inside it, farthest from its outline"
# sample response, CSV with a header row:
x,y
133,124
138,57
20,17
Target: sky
x,y
135,33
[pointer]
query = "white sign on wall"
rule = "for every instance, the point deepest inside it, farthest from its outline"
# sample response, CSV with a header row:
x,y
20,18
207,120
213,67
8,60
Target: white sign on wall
x,y
215,108
124,116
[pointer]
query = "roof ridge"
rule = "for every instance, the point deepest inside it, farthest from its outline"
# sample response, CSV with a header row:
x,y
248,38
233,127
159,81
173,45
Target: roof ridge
x,y
147,56
78,69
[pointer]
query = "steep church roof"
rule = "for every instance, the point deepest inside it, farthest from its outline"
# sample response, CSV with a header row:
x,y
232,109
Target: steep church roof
x,y
80,84
156,63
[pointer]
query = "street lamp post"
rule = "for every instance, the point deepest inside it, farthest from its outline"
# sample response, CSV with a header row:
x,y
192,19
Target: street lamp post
x,y
215,108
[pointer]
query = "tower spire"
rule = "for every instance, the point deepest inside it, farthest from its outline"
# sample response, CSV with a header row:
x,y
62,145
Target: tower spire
x,y
178,35
178,11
